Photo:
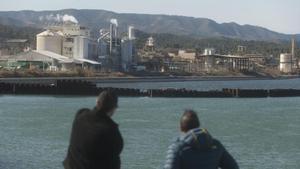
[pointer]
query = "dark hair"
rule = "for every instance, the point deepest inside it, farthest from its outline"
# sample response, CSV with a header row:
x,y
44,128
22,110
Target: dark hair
x,y
189,120
107,100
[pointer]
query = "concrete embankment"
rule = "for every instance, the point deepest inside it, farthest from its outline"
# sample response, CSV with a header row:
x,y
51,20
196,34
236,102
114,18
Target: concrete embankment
x,y
86,88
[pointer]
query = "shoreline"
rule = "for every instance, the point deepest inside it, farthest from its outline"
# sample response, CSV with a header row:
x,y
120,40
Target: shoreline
x,y
143,79
85,88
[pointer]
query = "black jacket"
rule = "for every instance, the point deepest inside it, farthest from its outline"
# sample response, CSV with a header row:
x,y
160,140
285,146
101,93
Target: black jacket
x,y
197,149
96,142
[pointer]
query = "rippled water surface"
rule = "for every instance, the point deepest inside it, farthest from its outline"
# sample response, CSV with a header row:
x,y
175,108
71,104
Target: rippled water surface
x,y
213,85
261,133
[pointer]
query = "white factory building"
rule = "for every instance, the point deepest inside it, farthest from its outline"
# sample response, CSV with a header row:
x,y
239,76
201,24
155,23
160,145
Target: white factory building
x,y
68,45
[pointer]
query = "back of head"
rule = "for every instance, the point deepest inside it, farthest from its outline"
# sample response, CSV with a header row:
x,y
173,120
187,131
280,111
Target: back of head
x,y
189,120
107,101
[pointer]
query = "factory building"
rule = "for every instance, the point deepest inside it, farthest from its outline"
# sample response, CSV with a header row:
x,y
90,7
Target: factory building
x,y
71,42
183,54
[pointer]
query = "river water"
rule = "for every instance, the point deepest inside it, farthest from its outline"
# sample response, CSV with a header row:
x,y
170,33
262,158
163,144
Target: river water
x,y
261,133
212,85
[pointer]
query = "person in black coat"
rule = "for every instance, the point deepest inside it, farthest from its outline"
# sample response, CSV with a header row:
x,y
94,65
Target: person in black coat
x,y
96,142
196,148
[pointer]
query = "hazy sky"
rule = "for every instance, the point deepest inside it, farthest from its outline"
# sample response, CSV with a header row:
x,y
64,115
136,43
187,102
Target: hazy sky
x,y
279,15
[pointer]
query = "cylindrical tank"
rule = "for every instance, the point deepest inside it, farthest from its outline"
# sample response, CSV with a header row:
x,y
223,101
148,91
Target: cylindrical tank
x,y
49,41
285,62
285,57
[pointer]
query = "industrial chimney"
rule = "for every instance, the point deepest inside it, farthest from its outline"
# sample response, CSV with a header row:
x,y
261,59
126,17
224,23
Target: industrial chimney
x,y
113,34
293,47
293,52
131,32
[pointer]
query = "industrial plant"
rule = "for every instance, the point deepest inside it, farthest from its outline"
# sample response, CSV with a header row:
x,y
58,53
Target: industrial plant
x,y
70,46
209,60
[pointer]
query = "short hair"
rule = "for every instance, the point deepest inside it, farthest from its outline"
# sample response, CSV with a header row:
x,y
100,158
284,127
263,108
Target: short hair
x,y
189,120
106,101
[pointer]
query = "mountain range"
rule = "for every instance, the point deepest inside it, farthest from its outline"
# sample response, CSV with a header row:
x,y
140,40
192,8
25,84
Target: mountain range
x,y
179,25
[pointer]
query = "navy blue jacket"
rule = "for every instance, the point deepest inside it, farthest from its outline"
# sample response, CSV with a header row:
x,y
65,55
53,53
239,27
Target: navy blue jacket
x,y
198,150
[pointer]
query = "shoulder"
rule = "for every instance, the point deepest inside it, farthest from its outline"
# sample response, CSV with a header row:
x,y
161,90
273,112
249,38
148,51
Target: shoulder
x,y
81,112
176,146
174,149
217,145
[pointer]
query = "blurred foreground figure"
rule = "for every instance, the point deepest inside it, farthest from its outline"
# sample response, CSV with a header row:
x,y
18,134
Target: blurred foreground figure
x,y
95,141
196,148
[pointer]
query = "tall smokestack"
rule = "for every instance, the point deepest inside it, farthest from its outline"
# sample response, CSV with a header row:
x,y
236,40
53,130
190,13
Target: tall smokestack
x,y
293,47
111,36
293,52
131,32
116,35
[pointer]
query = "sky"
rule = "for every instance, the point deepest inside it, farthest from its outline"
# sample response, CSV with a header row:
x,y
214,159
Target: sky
x,y
278,15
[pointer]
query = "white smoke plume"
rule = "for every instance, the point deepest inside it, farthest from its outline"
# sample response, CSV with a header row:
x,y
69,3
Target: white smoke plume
x,y
114,21
58,18
69,18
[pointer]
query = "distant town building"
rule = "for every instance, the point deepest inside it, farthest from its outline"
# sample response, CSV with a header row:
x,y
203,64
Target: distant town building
x,y
183,54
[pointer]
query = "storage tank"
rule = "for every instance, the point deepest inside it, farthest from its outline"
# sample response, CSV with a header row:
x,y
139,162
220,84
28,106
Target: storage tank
x,y
49,41
285,63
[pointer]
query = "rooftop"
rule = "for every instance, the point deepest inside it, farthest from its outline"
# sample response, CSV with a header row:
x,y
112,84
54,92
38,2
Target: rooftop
x,y
27,56
16,41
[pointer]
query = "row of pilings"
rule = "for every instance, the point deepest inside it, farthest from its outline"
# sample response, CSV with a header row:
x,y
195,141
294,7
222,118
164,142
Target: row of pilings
x,y
86,88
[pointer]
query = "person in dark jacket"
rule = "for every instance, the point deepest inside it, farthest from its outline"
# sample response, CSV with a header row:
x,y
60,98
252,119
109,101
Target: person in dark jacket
x,y
96,142
196,148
